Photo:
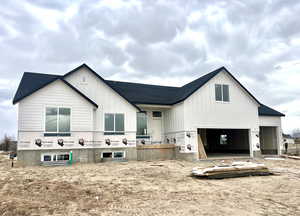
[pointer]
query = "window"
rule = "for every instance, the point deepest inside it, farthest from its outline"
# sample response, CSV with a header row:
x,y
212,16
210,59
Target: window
x,y
55,157
223,139
58,120
222,92
141,124
118,154
62,157
107,155
156,114
47,158
114,123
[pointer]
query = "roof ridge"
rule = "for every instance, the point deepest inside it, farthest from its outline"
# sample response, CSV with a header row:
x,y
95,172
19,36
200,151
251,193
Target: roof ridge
x,y
207,74
142,84
29,72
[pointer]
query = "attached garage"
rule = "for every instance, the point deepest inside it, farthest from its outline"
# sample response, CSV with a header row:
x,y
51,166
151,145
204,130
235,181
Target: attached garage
x,y
224,142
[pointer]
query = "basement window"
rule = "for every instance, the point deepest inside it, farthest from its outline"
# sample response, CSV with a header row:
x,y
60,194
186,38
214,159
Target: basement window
x,y
47,158
118,154
222,93
55,157
106,154
223,139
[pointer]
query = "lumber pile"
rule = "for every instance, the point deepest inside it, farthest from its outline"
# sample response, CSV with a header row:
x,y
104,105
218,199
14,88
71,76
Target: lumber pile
x,y
236,169
291,157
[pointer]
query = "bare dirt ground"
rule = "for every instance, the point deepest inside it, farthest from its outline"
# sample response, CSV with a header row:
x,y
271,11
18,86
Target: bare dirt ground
x,y
146,188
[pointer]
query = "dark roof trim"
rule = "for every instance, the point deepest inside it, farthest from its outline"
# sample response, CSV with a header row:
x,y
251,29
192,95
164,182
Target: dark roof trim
x,y
98,76
79,92
214,73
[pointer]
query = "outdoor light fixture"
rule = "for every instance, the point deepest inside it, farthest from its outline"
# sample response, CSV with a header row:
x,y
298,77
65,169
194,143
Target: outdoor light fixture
x,y
143,141
188,135
38,142
81,142
257,145
168,140
189,147
174,140
60,142
107,141
124,141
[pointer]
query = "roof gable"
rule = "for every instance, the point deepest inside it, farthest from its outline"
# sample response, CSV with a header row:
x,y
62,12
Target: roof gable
x,y
32,82
103,80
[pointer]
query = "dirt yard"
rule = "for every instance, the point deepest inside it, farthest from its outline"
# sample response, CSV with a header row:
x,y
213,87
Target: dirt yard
x,y
146,188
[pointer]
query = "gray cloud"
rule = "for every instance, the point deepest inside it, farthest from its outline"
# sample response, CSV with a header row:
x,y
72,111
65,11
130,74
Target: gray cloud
x,y
154,39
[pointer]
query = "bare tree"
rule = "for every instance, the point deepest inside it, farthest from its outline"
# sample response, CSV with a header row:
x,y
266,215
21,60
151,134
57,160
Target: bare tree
x,y
6,143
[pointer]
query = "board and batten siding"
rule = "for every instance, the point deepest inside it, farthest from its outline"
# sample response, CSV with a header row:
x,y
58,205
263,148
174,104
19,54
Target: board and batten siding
x,y
107,99
201,110
173,119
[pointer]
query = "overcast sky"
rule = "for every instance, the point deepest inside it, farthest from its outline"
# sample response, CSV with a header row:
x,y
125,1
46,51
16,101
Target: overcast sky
x,y
163,42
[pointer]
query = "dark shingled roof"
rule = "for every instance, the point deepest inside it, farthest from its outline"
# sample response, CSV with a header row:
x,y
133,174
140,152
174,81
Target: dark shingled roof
x,y
31,82
134,93
264,110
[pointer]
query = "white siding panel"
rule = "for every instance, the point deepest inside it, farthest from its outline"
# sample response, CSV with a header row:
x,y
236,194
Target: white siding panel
x,y
32,108
107,99
174,119
202,111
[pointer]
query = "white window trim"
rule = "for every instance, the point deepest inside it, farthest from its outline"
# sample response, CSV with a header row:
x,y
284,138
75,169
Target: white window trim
x,y
112,154
222,95
52,155
114,131
57,123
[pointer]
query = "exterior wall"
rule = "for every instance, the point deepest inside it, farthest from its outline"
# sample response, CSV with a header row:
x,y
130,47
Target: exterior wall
x,y
87,122
107,99
201,110
273,121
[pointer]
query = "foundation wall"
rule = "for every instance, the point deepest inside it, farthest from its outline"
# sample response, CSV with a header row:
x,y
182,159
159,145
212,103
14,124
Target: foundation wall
x,y
33,157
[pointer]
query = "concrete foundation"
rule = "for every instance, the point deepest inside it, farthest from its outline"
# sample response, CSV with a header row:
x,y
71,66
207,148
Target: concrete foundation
x,y
156,152
185,156
33,157
257,154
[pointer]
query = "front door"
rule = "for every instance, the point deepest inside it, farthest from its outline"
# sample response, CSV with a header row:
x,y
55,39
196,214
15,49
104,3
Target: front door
x,y
156,125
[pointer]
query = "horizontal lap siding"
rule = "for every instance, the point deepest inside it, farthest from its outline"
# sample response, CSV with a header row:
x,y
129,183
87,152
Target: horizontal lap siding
x,y
32,108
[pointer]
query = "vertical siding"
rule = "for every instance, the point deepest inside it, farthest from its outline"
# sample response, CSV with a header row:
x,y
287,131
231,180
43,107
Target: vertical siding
x,y
174,118
202,111
107,99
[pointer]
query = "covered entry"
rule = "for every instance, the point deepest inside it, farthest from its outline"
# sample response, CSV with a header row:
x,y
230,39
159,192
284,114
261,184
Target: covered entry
x,y
268,140
224,142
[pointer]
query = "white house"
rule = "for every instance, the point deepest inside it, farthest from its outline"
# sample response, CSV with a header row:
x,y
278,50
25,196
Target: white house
x,y
98,119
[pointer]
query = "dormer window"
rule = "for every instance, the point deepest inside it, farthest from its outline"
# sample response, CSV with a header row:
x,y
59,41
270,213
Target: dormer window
x,y
222,93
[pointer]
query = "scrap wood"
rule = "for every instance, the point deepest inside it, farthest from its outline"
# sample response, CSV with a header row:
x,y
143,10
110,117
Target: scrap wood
x,y
236,169
291,157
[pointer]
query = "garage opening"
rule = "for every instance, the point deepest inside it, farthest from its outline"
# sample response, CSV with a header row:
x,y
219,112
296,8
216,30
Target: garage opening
x,y
268,140
225,142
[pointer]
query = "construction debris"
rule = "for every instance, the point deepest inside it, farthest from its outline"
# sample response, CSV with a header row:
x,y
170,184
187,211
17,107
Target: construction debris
x,y
291,157
236,169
